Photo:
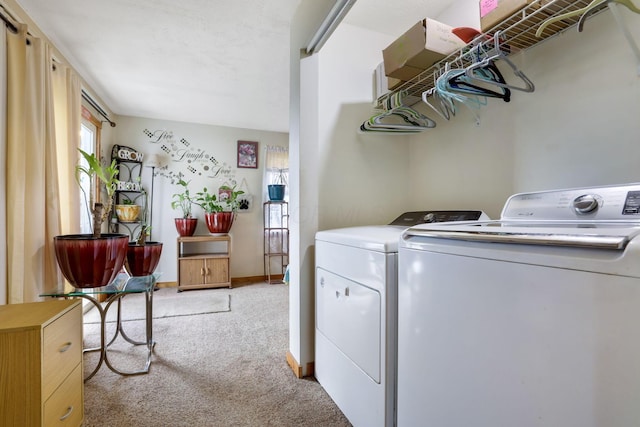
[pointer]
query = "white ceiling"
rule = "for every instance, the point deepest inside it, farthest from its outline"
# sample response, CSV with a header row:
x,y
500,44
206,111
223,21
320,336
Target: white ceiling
x,y
218,62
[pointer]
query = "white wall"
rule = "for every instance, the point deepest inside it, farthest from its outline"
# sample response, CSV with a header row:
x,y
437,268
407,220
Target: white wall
x,y
362,177
217,141
302,189
345,177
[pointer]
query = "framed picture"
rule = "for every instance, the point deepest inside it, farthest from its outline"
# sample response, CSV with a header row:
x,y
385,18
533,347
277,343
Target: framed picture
x,y
247,154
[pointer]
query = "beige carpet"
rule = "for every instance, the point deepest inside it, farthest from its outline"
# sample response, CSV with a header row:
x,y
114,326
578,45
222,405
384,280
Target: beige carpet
x,y
166,304
209,370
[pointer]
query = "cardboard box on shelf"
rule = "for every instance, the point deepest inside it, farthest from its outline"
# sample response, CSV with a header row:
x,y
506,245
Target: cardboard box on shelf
x,y
493,12
394,83
424,44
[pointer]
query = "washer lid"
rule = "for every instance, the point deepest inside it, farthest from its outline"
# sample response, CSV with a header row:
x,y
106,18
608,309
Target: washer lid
x,y
580,235
379,238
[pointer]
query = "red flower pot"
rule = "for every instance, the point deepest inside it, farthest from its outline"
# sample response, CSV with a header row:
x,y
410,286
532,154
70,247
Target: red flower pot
x,y
87,262
186,226
142,260
219,222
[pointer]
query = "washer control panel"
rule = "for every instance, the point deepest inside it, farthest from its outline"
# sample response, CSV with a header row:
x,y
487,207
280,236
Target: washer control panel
x,y
610,203
409,219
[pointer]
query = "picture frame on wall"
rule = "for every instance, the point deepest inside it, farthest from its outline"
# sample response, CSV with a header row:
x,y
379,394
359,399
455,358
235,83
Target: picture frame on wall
x,y
248,154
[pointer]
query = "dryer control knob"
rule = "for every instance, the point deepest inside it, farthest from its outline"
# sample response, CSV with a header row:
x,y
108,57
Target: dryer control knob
x,y
430,217
585,204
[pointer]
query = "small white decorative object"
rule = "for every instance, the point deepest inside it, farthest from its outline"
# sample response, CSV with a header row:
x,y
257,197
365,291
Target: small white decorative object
x,y
123,154
127,186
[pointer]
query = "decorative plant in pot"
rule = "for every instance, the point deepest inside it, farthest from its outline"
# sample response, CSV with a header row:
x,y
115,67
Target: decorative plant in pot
x,y
142,256
128,211
93,260
219,212
277,189
186,225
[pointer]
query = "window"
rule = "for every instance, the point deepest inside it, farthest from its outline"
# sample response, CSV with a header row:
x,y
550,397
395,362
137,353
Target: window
x,y
276,168
89,142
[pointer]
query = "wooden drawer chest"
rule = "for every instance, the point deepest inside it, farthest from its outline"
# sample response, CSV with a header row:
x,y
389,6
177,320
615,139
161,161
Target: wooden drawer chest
x,y
41,364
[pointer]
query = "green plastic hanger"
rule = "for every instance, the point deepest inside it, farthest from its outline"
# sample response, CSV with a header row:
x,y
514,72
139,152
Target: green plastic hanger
x,y
627,3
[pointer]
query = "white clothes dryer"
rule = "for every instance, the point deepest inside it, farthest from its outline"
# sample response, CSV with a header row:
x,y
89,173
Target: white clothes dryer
x,y
356,312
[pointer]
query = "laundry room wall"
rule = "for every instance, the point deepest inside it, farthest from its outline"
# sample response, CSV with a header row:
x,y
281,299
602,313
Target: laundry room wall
x,y
578,128
431,170
362,178
190,149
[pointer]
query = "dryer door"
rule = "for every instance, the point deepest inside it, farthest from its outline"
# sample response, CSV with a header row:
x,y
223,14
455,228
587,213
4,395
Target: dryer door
x,y
349,315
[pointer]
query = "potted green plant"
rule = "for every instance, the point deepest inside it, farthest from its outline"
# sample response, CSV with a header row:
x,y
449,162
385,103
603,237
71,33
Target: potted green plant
x,y
128,211
277,188
93,260
219,210
142,256
183,201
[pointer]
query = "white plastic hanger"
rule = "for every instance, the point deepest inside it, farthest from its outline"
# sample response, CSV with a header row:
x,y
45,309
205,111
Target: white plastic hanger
x,y
398,118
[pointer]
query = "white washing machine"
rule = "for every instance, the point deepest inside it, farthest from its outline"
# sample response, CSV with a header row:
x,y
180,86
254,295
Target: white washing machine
x,y
529,321
356,312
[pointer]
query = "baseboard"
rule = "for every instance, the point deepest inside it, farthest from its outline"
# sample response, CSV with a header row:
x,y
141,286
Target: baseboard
x,y
247,280
167,284
234,281
297,369
293,364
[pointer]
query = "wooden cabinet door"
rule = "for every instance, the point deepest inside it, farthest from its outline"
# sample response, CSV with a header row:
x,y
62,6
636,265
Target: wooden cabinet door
x,y
217,270
192,272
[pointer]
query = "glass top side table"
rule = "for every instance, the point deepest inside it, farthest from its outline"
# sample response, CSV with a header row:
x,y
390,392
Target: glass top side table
x,y
122,286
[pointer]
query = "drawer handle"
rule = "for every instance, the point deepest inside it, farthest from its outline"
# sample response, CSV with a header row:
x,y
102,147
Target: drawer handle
x,y
65,347
202,271
346,293
68,414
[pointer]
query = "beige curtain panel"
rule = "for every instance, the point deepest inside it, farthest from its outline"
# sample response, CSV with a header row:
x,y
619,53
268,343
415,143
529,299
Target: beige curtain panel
x,y
41,104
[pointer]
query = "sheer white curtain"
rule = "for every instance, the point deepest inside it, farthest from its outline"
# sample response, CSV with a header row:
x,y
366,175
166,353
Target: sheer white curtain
x,y
67,95
276,163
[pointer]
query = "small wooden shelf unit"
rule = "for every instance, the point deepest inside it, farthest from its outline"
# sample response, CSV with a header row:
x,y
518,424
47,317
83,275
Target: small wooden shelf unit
x,y
203,262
